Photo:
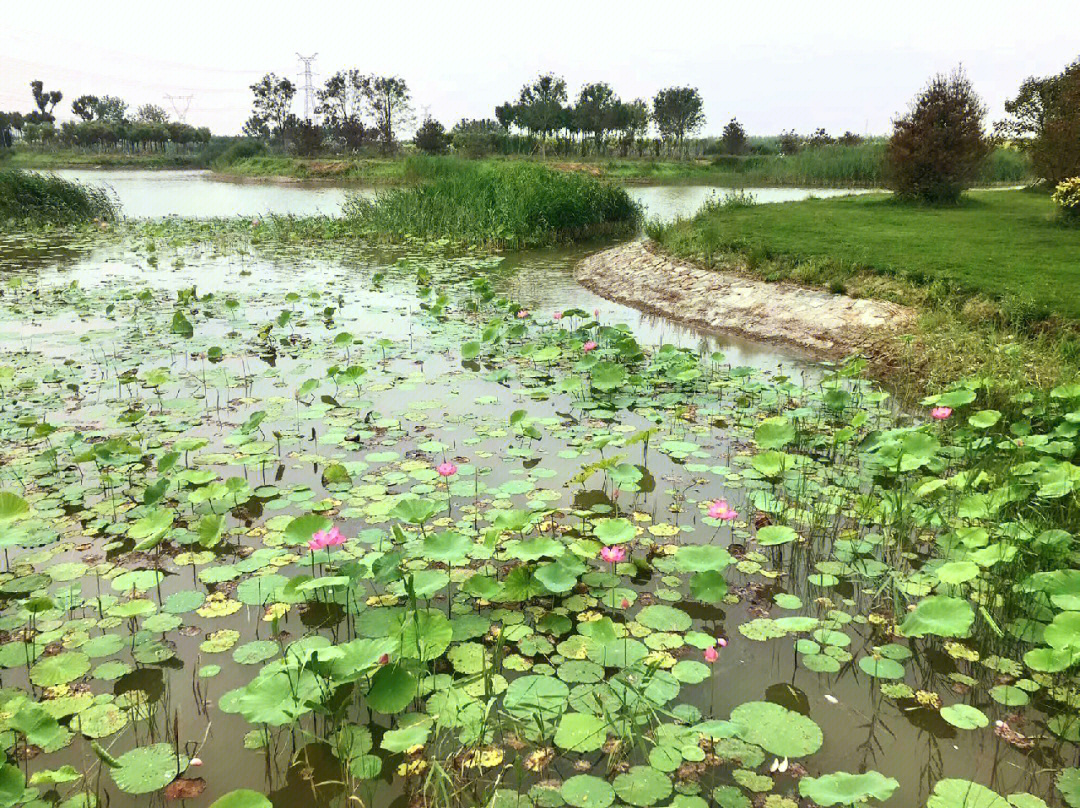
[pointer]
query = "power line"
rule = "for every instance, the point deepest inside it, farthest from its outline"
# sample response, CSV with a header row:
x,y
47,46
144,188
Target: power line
x,y
176,101
309,88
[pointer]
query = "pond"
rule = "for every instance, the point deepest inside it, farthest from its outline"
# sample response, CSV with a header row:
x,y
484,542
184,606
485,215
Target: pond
x,y
201,194
537,598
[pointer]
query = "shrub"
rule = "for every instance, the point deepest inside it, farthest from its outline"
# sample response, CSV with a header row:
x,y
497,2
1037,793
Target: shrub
x,y
1067,197
431,137
475,138
502,204
937,149
47,199
789,142
241,150
734,138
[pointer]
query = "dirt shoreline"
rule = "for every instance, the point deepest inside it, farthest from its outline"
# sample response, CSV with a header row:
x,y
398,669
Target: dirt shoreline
x,y
827,325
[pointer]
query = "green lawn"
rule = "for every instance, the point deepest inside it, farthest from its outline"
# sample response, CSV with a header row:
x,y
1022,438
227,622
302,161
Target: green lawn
x,y
1006,245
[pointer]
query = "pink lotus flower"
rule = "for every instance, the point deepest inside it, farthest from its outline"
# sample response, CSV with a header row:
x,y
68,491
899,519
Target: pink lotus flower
x,y
195,761
625,604
521,315
721,642
614,554
940,413
720,510
589,346
711,655
384,659
557,315
326,538
596,313
447,469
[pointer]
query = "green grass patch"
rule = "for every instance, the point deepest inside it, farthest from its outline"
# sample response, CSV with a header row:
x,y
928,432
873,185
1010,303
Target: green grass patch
x,y
1006,245
40,199
511,204
87,158
996,278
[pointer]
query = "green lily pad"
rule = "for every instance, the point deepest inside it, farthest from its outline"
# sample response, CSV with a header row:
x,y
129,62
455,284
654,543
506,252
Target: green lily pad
x,y
148,768
777,730
841,788
587,791
642,786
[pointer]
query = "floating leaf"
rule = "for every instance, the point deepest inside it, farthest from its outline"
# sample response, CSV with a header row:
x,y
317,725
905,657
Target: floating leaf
x,y
148,768
777,730
940,615
841,788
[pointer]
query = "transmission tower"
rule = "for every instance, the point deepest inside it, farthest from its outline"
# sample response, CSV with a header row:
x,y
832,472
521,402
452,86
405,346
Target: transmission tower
x,y
309,88
177,101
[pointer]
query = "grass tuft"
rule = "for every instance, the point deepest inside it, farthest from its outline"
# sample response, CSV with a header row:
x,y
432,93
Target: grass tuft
x,y
506,205
38,199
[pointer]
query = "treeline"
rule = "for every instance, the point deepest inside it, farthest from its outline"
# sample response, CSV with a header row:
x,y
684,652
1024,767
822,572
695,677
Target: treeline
x,y
356,110
104,123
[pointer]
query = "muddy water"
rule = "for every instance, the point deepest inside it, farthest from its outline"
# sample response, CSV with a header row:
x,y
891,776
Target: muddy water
x,y
199,194
861,728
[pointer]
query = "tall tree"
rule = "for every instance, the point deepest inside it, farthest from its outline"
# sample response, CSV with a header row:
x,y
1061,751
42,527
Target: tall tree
x,y
111,108
678,112
387,99
596,111
1044,118
45,100
272,104
506,114
151,113
84,106
632,121
540,107
341,102
341,99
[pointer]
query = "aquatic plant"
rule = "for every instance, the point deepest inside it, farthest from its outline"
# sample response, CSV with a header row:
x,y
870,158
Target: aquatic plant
x,y
510,205
37,199
657,569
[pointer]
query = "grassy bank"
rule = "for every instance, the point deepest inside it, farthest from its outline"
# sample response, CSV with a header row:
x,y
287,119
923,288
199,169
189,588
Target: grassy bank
x,y
826,166
83,158
510,205
832,166
996,280
28,199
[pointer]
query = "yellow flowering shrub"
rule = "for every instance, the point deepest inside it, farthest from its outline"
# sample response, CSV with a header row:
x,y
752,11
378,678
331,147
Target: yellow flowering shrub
x,y
1067,197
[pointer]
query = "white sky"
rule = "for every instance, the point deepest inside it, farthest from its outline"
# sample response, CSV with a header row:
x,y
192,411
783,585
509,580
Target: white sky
x,y
774,64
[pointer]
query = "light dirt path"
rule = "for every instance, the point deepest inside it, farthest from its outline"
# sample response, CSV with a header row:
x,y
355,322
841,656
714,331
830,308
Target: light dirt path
x,y
834,325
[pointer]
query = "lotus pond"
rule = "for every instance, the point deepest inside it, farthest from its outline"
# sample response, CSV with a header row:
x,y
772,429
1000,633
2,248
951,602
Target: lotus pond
x,y
296,524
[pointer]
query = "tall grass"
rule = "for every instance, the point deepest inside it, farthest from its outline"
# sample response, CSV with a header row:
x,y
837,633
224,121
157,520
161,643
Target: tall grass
x,y
859,165
511,204
31,198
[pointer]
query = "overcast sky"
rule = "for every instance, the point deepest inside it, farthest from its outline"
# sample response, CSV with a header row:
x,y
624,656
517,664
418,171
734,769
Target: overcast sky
x,y
775,65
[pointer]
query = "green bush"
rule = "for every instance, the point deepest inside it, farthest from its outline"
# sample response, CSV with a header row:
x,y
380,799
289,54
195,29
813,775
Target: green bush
x,y
47,199
937,150
241,150
512,205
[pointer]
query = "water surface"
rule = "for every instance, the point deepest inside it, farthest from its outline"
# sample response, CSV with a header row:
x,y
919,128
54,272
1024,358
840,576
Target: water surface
x,y
201,194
